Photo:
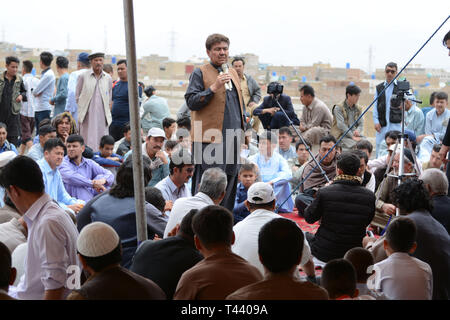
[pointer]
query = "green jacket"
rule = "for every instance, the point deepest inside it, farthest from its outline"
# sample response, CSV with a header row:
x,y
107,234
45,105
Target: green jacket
x,y
337,132
18,89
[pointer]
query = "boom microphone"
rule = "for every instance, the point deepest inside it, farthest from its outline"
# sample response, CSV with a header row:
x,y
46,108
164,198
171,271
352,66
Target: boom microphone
x,y
228,85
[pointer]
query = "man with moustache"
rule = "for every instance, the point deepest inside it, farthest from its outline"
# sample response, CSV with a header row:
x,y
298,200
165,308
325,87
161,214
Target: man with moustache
x,y
153,149
93,96
214,111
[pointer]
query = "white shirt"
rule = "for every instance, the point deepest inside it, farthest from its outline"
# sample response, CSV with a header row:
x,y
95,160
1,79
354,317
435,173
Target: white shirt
x,y
170,191
402,277
371,184
30,82
52,238
246,237
374,164
12,234
182,206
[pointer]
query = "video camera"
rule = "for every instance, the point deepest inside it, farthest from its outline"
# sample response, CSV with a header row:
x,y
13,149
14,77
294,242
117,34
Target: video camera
x,y
275,88
403,89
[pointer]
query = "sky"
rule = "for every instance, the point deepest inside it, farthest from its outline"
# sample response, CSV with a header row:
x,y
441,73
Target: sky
x,y
280,32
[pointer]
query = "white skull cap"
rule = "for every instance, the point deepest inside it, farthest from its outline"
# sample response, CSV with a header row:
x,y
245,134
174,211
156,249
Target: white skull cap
x,y
97,239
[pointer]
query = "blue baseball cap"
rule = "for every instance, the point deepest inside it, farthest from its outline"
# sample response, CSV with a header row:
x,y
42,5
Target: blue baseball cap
x,y
83,57
411,135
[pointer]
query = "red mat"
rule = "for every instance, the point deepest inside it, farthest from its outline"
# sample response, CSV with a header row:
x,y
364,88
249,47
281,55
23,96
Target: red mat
x,y
306,227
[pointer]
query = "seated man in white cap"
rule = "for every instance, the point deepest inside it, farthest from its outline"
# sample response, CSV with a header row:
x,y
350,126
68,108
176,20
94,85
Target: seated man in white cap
x,y
153,148
100,253
261,204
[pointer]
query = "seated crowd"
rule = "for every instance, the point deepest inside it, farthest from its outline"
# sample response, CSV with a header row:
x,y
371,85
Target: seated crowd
x,y
62,204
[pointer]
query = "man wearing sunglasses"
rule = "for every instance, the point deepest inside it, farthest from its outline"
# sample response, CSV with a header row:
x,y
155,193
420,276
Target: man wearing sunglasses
x,y
386,118
174,186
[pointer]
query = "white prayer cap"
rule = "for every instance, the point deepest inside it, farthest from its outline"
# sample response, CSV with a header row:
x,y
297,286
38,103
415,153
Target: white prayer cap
x,y
97,239
6,157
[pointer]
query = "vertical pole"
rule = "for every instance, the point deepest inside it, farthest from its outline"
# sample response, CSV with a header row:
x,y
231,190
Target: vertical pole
x,y
136,140
401,168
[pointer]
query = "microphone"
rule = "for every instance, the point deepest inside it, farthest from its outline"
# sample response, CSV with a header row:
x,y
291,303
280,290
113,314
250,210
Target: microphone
x,y
228,85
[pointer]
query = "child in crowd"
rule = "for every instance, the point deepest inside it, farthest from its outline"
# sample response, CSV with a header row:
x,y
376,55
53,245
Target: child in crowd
x,y
170,146
247,176
105,157
125,143
400,276
339,279
362,260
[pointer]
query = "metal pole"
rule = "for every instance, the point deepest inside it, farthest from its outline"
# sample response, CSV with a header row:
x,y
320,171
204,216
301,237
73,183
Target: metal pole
x,y
401,164
136,140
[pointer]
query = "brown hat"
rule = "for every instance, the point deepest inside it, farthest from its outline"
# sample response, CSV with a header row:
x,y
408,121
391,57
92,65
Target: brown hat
x,y
96,55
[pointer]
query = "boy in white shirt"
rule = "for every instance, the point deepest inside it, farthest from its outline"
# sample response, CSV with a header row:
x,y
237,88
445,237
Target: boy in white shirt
x,y
400,276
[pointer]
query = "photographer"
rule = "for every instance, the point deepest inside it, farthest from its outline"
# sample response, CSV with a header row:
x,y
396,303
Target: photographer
x,y
271,116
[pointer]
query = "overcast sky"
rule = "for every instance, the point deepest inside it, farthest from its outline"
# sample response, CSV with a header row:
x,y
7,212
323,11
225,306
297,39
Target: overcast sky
x,y
281,32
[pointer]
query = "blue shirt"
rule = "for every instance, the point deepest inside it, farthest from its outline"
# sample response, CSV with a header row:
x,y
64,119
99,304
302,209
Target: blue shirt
x,y
54,186
414,120
155,110
240,211
289,154
121,106
61,94
275,169
8,147
45,88
437,125
104,162
36,152
170,191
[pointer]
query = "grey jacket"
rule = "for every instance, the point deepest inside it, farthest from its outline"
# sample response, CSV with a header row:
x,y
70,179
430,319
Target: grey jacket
x,y
254,89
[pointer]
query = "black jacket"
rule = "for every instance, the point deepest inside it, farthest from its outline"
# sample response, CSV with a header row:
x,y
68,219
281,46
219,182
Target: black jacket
x,y
441,210
285,101
345,208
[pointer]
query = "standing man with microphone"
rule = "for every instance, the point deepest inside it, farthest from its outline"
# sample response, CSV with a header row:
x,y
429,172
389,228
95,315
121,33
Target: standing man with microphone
x,y
215,100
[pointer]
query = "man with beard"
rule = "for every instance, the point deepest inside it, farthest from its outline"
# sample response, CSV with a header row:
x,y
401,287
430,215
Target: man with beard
x,y
93,96
83,178
316,180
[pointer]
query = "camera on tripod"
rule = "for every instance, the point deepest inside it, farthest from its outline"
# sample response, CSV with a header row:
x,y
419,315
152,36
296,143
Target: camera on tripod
x,y
403,88
275,88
